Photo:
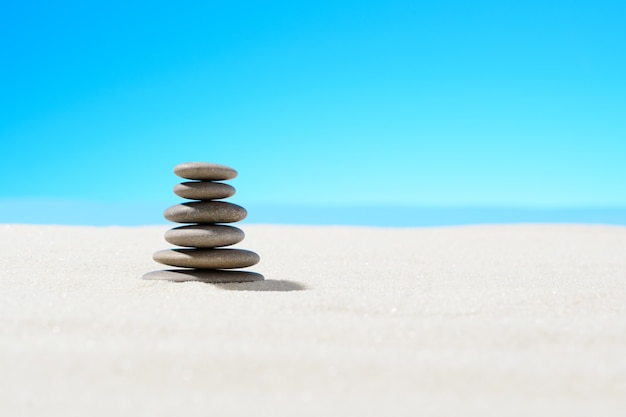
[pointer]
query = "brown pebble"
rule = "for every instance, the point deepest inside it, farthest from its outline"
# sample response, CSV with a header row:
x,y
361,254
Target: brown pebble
x,y
204,236
204,171
205,212
207,258
214,276
204,190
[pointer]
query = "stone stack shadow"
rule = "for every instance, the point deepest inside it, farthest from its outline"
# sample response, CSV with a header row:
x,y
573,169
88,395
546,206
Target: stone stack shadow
x,y
203,240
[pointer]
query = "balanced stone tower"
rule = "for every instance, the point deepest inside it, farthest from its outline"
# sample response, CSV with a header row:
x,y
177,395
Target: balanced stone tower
x,y
203,256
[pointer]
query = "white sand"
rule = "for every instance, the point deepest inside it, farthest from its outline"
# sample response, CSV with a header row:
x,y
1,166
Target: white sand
x,y
484,320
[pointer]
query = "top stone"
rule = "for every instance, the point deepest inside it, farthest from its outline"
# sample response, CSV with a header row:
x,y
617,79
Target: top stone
x,y
204,171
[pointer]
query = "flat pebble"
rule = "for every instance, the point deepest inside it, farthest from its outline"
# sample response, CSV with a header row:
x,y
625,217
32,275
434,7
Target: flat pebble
x,y
205,212
214,276
204,236
203,190
207,258
204,171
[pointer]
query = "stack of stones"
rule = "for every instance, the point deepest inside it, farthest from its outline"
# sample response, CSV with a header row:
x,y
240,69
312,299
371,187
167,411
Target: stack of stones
x,y
205,236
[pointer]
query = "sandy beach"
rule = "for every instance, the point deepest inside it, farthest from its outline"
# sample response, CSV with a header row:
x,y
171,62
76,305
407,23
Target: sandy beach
x,y
509,320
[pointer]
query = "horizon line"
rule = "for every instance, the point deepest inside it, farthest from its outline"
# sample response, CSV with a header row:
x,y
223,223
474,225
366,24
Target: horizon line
x,y
66,212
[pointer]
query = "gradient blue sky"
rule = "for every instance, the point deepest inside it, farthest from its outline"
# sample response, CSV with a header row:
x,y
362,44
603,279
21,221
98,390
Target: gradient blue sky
x,y
324,103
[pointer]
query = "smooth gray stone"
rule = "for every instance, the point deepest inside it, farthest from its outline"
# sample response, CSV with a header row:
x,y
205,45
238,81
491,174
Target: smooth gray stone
x,y
204,190
205,212
207,258
204,236
214,276
204,171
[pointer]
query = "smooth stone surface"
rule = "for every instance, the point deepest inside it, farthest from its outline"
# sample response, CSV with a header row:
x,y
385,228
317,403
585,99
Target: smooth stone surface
x,y
207,258
205,212
204,236
205,171
203,190
214,276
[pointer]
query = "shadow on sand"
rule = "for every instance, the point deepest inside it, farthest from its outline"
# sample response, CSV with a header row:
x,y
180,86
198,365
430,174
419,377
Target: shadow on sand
x,y
266,285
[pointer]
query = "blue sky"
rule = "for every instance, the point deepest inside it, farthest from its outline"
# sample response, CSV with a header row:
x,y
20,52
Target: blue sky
x,y
317,104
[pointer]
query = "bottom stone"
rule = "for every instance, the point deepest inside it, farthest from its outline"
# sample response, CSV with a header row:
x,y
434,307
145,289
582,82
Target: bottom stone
x,y
214,276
